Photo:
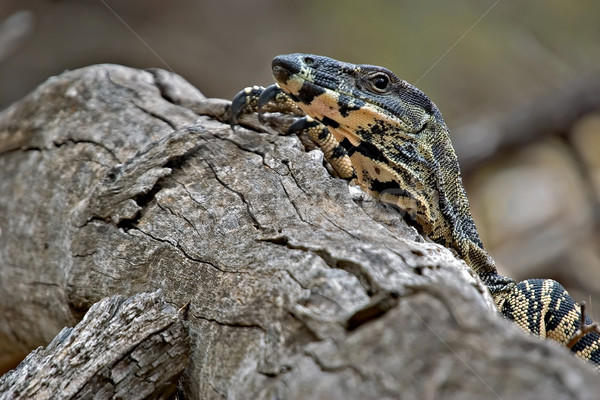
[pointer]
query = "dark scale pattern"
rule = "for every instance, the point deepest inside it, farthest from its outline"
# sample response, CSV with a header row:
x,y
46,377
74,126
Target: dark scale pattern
x,y
323,134
406,153
395,136
329,122
588,347
496,283
308,92
376,132
368,150
339,151
390,187
345,143
347,104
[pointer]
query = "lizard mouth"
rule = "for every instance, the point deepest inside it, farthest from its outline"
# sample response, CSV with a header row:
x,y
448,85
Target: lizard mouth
x,y
286,66
282,71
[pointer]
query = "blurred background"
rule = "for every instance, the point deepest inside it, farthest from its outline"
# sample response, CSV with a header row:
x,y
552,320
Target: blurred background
x,y
517,82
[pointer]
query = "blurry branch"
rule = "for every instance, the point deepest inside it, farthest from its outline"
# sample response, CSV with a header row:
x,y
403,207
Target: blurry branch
x,y
554,114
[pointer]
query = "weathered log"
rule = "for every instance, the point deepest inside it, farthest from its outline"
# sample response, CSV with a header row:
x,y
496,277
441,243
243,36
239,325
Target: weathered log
x,y
120,181
127,348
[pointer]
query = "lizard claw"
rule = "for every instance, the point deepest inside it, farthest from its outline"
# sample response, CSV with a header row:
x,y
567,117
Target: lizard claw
x,y
244,101
268,94
260,99
302,124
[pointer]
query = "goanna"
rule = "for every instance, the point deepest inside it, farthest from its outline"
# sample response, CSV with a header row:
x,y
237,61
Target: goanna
x,y
391,138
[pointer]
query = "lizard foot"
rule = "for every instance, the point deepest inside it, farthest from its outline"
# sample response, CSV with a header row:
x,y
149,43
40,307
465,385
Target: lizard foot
x,y
273,99
262,100
584,328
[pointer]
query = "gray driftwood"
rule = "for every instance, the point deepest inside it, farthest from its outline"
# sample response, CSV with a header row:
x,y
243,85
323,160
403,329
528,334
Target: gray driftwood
x,y
127,348
116,181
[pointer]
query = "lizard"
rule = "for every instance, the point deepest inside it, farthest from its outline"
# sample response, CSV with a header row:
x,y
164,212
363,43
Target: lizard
x,y
389,137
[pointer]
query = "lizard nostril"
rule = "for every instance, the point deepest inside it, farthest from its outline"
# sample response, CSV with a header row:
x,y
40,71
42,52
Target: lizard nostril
x,y
309,61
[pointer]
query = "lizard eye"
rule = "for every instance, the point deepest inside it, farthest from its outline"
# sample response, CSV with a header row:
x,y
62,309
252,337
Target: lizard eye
x,y
380,82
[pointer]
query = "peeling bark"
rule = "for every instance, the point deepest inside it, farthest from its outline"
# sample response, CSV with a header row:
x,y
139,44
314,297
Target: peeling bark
x,y
116,181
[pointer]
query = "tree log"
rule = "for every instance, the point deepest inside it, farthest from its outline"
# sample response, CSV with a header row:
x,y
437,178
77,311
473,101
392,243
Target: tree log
x,y
116,181
123,348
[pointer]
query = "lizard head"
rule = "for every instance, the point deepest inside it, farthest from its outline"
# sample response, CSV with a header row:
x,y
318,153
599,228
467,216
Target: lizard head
x,y
396,138
369,109
362,99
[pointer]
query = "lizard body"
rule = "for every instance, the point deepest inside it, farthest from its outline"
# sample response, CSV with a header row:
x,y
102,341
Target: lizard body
x,y
391,138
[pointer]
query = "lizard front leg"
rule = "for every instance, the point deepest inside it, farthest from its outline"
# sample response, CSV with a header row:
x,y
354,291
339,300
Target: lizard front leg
x,y
273,99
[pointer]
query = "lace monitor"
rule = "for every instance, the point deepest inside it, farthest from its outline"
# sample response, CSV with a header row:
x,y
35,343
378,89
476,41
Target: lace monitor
x,y
391,138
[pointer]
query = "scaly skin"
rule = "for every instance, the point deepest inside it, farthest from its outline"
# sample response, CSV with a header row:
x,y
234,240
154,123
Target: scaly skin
x,y
391,138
